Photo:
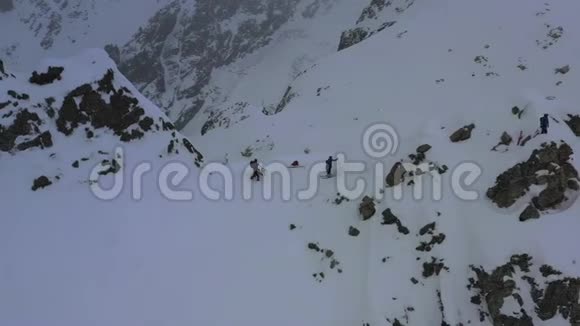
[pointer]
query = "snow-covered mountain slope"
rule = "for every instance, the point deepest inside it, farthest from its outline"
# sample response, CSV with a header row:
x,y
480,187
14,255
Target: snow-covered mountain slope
x,y
72,124
506,257
441,67
192,57
35,29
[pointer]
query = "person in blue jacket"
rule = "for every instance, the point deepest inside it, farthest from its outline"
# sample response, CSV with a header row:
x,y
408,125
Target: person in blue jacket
x,y
544,123
329,165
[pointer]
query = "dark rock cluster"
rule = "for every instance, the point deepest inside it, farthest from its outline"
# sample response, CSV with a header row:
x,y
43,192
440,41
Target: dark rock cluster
x,y
436,238
389,219
574,123
26,123
367,208
433,267
371,14
53,73
548,166
327,254
558,295
40,183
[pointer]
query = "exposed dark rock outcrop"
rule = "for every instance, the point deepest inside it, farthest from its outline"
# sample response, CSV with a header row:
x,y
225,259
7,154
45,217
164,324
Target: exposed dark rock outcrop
x,y
122,113
434,267
26,123
373,20
40,183
43,141
53,73
574,123
558,296
180,42
548,166
389,219
529,213
352,37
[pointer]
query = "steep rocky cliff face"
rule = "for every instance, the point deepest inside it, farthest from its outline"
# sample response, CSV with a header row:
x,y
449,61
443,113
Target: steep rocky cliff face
x,y
377,16
172,58
186,56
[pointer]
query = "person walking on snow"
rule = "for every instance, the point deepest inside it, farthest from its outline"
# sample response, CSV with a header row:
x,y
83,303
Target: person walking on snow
x,y
544,123
329,165
256,167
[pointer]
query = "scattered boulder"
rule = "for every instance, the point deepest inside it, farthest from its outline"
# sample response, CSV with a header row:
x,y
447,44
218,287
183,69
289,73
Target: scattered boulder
x,y
435,240
462,134
353,232
396,176
506,139
329,253
423,148
367,208
40,183
434,267
562,70
389,219
429,228
48,77
313,246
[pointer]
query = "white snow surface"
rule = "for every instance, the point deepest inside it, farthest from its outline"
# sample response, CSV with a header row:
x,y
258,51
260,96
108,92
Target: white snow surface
x,y
68,258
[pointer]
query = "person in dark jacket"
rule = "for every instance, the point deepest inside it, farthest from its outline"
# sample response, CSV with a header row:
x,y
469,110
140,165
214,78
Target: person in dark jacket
x,y
544,123
329,165
256,167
